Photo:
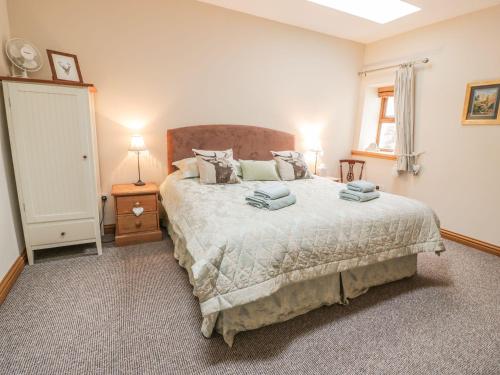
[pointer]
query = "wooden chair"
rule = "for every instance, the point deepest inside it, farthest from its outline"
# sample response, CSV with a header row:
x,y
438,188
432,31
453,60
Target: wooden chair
x,y
351,163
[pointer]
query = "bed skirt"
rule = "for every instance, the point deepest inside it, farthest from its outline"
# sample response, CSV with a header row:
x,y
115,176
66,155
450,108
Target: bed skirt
x,y
299,298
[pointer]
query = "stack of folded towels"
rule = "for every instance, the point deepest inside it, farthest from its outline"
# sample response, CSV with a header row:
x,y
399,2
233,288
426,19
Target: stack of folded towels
x,y
272,197
359,191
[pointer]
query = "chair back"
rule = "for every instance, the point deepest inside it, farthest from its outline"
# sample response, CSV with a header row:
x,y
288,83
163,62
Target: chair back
x,y
351,164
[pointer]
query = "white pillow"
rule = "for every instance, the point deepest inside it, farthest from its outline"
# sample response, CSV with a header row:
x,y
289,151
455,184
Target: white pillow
x,y
188,167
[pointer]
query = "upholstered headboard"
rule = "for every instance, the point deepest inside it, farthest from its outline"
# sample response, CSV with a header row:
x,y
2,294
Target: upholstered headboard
x,y
247,142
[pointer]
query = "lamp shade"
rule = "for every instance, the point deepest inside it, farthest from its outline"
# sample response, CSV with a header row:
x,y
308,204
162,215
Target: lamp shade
x,y
316,150
137,143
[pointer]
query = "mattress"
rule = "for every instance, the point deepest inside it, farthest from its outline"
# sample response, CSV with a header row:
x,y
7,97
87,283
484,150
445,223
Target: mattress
x,y
239,254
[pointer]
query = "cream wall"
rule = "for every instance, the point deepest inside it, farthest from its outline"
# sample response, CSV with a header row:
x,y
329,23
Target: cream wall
x,y
4,35
10,222
461,164
177,63
180,62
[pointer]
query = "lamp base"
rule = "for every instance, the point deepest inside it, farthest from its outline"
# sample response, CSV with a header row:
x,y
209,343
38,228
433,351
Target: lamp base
x,y
139,183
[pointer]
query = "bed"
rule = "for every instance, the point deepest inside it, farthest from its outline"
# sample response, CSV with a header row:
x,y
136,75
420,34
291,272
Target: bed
x,y
250,268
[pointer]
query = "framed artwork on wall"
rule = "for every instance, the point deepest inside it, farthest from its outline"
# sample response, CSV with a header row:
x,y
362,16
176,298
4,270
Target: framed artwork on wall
x,y
482,103
64,66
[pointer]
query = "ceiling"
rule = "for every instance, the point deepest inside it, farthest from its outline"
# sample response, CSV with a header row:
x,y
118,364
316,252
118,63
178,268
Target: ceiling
x,y
315,17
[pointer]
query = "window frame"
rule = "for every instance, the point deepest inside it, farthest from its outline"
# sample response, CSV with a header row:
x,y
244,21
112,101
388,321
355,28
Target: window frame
x,y
384,94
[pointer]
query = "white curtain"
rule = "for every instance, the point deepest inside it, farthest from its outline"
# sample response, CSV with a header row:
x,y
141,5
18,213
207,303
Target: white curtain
x,y
404,103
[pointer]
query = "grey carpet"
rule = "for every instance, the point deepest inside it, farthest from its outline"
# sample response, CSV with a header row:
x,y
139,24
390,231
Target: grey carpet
x,y
131,311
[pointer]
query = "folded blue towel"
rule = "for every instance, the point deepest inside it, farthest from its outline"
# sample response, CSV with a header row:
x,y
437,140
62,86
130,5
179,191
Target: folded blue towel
x,y
271,204
357,196
361,186
272,191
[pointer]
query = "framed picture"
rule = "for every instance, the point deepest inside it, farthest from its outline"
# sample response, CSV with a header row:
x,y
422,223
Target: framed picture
x,y
482,102
64,67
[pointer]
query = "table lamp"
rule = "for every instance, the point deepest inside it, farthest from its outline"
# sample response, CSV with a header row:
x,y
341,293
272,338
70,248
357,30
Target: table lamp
x,y
137,145
316,152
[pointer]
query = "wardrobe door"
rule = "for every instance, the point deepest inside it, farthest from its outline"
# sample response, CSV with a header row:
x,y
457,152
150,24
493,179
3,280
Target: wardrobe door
x,y
51,138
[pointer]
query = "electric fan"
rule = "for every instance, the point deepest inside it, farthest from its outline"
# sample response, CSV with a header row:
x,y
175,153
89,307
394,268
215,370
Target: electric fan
x,y
24,57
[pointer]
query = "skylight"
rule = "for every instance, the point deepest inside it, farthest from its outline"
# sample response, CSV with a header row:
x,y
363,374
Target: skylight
x,y
380,11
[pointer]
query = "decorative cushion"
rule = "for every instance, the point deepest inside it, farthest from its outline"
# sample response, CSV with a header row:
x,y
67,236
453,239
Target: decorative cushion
x,y
291,165
216,167
258,170
188,167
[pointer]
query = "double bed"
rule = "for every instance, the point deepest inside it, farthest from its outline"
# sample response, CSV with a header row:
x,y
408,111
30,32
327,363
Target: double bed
x,y
250,268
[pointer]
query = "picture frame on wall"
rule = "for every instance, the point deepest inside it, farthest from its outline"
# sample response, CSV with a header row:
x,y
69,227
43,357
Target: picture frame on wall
x,y
482,103
64,66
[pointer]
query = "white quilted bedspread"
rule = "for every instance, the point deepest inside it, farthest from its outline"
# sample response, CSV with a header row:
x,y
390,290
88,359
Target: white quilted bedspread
x,y
242,254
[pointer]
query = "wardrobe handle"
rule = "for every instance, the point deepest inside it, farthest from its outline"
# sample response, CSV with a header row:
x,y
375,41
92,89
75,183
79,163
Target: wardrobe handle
x,y
138,224
63,233
85,156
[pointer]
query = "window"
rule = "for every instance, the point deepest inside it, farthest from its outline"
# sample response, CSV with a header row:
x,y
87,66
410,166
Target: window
x,y
386,131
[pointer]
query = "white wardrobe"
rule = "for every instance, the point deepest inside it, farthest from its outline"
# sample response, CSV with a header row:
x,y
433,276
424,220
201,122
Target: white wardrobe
x,y
54,151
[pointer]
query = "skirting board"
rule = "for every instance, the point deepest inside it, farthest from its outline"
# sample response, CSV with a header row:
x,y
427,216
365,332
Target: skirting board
x,y
11,276
471,242
109,228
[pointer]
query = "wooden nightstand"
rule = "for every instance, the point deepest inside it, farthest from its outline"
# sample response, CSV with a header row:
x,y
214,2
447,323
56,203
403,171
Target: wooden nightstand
x,y
136,209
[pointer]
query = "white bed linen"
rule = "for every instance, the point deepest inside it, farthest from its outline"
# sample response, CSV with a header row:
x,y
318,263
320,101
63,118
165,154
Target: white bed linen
x,y
298,298
242,254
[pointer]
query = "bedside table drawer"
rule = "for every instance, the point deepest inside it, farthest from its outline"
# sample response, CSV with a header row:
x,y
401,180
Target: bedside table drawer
x,y
134,224
125,204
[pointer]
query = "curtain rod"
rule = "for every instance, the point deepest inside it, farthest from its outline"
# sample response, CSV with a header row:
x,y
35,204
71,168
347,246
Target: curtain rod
x,y
364,72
